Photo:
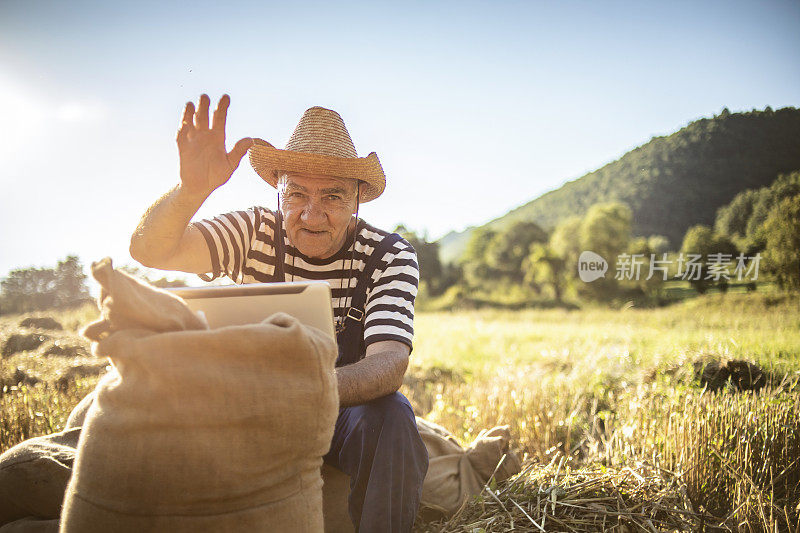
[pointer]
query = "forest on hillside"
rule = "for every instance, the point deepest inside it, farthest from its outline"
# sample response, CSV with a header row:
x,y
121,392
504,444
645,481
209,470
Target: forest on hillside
x,y
671,182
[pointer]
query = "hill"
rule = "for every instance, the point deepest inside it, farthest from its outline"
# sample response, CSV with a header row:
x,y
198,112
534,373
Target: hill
x,y
675,181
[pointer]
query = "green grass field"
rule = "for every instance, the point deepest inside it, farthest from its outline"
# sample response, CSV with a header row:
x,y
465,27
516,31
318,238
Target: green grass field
x,y
607,343
592,391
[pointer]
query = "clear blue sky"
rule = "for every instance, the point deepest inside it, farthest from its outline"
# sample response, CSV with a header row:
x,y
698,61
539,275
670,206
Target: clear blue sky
x,y
473,107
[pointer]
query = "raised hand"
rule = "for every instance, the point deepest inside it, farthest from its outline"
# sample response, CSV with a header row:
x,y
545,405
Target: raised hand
x,y
204,163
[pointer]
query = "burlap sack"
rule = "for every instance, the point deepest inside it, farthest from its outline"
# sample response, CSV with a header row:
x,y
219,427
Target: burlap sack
x,y
34,475
201,430
456,473
31,525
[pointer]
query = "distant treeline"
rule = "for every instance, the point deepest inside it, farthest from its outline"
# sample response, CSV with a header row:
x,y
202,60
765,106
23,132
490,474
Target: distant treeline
x,y
753,238
33,289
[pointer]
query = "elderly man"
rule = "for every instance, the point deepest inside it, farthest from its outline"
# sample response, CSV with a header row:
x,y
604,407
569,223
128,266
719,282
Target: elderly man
x,y
315,234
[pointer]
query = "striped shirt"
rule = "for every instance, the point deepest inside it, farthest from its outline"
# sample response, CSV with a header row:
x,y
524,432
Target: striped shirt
x,y
242,247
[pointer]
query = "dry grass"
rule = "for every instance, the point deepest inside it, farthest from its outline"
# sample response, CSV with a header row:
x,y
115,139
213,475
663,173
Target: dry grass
x,y
39,387
555,498
734,455
38,410
738,454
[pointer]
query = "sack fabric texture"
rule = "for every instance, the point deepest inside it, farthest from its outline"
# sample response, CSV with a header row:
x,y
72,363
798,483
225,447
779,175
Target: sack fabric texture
x,y
455,473
198,429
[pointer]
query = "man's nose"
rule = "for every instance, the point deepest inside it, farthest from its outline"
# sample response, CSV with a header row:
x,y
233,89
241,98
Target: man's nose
x,y
313,213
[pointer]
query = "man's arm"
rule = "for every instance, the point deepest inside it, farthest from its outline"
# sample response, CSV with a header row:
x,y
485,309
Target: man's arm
x,y
164,238
379,373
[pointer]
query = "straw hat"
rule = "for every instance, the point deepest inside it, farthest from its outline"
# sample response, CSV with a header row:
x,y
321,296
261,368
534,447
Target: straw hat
x,y
320,144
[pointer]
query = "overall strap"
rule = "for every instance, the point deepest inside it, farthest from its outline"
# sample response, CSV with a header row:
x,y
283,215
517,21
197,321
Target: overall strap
x,y
351,338
359,298
277,238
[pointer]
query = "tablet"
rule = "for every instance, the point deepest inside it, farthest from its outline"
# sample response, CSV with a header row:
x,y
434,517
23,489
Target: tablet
x,y
229,305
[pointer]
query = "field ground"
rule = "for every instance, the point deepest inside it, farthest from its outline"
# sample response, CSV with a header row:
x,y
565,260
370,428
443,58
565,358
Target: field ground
x,y
611,409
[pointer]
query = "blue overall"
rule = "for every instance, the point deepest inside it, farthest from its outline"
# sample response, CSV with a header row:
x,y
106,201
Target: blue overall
x,y
377,443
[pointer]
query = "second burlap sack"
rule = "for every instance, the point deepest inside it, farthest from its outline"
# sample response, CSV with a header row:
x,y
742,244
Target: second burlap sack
x,y
197,429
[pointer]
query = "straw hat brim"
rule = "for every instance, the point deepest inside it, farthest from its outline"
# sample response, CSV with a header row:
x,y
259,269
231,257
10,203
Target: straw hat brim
x,y
267,160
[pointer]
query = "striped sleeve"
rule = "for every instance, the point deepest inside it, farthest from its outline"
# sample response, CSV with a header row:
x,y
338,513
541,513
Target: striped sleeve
x,y
390,303
229,237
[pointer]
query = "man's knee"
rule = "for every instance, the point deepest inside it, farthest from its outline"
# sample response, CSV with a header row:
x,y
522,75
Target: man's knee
x,y
389,423
392,414
383,429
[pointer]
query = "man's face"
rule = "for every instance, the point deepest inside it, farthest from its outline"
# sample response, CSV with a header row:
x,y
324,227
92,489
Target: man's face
x,y
317,211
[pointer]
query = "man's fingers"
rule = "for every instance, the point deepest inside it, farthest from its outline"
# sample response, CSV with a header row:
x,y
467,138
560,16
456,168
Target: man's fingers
x,y
239,149
201,117
188,115
187,121
221,113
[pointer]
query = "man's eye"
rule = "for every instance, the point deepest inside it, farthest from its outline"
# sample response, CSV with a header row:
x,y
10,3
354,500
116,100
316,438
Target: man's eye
x,y
334,197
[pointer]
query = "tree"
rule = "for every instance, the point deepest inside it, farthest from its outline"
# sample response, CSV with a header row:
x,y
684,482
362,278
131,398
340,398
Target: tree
x,y
565,241
784,186
732,219
544,268
31,289
473,263
431,271
28,289
782,250
507,250
70,286
646,250
701,241
605,230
